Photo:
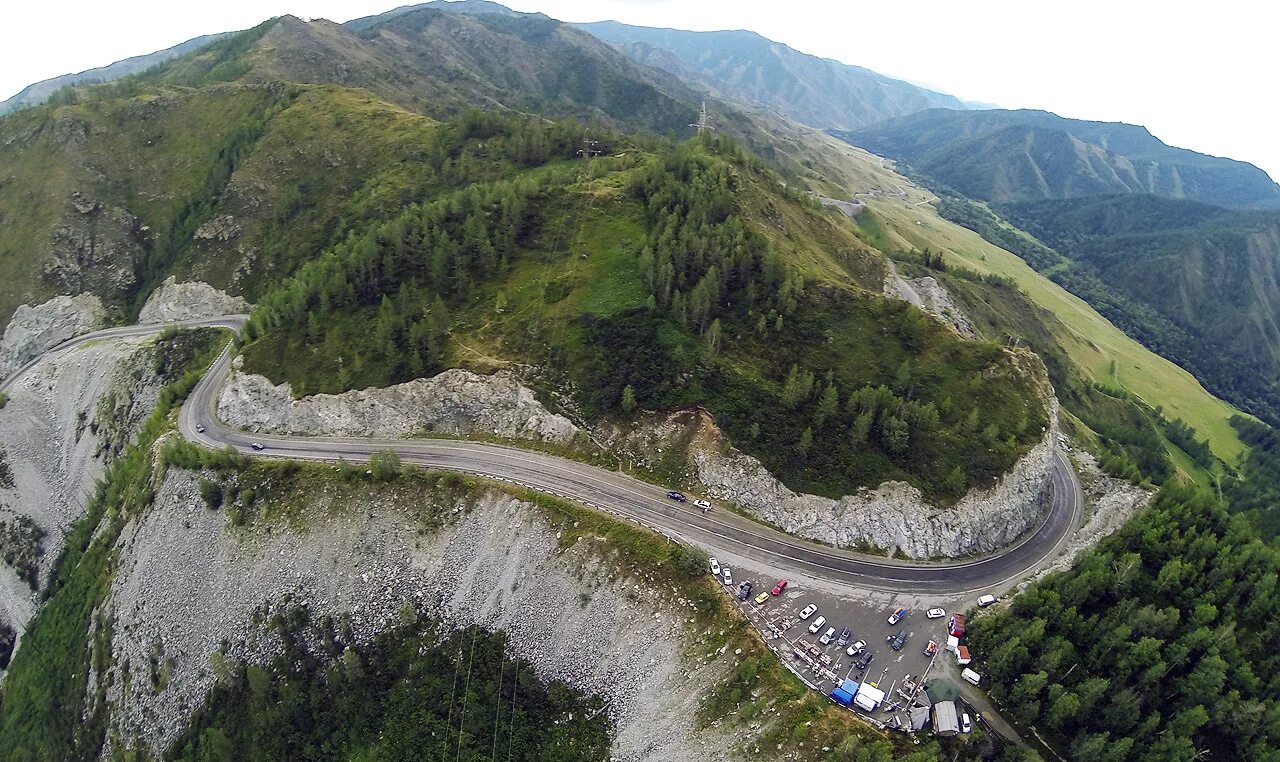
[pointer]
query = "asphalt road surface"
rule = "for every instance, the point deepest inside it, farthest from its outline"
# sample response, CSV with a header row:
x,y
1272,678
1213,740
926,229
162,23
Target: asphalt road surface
x,y
629,497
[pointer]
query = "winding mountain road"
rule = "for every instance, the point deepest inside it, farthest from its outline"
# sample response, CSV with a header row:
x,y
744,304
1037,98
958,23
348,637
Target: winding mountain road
x,y
631,498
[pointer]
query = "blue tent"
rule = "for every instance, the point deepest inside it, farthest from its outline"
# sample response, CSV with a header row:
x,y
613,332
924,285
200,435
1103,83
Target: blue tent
x,y
845,692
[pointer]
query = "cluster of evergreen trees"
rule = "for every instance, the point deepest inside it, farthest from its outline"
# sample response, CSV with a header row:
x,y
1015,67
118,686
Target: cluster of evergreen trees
x,y
1255,490
375,308
701,254
409,694
1162,644
392,285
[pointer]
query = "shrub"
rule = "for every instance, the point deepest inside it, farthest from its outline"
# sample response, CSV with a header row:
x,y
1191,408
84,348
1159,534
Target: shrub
x,y
690,560
211,491
385,465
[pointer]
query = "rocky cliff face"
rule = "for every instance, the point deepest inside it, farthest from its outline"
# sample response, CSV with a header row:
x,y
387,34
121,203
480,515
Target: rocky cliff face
x,y
931,296
95,248
187,581
895,516
32,330
189,301
456,402
51,434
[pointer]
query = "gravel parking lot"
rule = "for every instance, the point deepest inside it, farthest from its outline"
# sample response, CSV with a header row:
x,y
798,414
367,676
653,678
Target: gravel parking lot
x,y
865,613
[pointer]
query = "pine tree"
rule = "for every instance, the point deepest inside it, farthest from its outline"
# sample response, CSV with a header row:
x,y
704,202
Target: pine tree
x,y
896,435
628,399
827,405
713,337
791,388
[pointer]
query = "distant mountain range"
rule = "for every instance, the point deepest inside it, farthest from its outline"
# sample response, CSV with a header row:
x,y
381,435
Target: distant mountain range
x,y
35,94
1211,276
1014,156
1179,249
745,66
738,65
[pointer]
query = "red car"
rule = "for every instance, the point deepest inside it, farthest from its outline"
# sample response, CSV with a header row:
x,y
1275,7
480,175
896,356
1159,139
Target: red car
x,y
778,588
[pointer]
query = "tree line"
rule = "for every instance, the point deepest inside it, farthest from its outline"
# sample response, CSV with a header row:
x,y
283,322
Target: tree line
x,y
1161,644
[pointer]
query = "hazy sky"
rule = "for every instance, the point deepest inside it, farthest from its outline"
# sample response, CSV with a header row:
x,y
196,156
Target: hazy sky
x,y
1201,75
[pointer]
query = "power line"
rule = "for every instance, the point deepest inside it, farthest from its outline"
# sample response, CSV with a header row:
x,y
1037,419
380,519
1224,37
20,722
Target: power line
x,y
704,120
465,690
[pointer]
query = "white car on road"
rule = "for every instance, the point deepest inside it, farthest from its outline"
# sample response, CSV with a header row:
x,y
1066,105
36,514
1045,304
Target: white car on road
x,y
856,648
827,636
935,613
808,611
728,576
703,504
715,567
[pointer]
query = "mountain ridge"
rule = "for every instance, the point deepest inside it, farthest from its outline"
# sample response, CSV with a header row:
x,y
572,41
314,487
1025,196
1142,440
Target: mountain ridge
x,y
747,66
1010,156
38,92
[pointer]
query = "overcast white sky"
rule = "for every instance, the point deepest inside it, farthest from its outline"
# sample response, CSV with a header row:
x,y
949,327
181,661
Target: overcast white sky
x,y
1202,75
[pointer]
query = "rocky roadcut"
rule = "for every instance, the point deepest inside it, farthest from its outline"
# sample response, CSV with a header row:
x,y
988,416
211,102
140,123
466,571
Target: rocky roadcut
x,y
456,402
32,330
894,516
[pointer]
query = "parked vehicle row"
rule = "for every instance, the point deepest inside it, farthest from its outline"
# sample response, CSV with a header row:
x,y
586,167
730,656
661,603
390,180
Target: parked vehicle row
x,y
747,587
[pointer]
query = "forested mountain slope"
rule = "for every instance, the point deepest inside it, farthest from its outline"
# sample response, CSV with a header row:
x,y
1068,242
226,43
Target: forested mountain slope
x,y
1146,233
744,66
116,183
1012,156
1212,278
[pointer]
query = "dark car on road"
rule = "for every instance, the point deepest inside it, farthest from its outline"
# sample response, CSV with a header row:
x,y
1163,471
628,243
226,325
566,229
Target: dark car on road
x,y
744,591
677,496
257,446
865,661
897,641
845,635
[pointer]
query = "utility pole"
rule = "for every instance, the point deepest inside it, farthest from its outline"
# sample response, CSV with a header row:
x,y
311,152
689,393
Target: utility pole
x,y
704,120
589,148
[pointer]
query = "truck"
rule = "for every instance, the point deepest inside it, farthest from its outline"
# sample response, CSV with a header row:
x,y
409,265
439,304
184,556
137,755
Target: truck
x,y
869,697
956,625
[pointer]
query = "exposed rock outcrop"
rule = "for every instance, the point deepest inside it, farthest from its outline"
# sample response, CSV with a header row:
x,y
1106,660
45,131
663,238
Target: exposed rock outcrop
x,y
1109,504
95,248
894,516
931,296
938,302
186,582
47,434
189,301
35,329
456,402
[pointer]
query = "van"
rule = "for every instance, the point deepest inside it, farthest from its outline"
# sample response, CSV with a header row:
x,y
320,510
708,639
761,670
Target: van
x,y
971,676
986,600
817,625
827,636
